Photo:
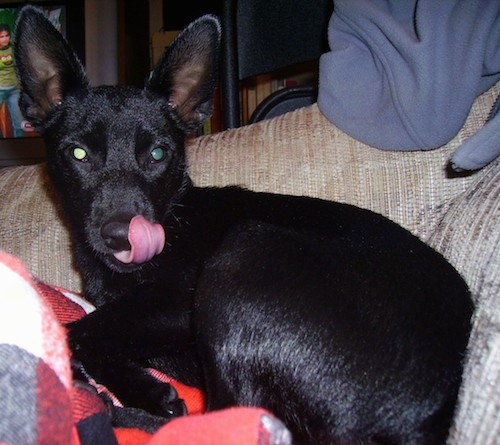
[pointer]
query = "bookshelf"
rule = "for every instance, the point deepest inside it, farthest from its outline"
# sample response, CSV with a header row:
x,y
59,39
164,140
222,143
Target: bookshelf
x,y
256,88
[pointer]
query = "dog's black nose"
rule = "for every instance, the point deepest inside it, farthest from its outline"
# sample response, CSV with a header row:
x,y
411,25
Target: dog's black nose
x,y
115,235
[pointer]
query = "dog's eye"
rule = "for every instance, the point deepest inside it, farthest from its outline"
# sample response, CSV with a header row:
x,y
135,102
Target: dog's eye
x,y
80,154
158,154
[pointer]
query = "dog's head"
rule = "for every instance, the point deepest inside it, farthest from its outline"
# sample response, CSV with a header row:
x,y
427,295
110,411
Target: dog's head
x,y
116,154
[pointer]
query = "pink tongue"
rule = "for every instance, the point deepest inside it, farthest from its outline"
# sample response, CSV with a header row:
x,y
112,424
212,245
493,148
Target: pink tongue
x,y
146,240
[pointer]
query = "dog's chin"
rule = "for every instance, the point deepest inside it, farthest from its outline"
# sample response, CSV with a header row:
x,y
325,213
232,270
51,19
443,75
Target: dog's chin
x,y
118,266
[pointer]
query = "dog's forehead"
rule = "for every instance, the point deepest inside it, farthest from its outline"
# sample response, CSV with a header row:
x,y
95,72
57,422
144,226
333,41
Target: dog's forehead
x,y
125,101
120,110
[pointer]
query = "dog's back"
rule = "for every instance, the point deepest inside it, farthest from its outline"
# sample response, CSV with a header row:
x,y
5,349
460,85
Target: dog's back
x,y
343,324
307,310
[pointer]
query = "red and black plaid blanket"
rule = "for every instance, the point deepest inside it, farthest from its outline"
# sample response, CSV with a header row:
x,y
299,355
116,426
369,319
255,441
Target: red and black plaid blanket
x,y
41,404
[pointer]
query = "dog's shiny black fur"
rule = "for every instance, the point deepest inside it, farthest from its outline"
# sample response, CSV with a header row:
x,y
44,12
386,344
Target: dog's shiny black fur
x,y
340,322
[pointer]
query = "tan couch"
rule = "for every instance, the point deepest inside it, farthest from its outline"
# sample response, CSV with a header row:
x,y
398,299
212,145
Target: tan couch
x,y
302,153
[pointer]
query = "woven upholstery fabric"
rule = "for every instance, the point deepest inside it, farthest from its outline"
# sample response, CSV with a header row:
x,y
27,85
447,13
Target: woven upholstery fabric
x,y
31,226
469,236
301,153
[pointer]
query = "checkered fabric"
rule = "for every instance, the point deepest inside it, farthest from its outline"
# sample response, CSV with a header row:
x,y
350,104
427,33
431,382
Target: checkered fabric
x,y
41,404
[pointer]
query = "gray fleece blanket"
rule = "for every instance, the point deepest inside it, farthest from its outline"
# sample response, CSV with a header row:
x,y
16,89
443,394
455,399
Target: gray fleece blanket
x,y
403,74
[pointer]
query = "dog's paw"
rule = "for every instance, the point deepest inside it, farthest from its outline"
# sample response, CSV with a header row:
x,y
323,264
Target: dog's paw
x,y
176,408
165,402
152,413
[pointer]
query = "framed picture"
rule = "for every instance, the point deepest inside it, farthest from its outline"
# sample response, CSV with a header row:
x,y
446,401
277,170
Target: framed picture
x,y
19,143
12,123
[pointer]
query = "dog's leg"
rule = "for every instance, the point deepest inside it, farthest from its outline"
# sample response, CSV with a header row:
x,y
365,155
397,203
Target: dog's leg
x,y
145,392
108,346
134,328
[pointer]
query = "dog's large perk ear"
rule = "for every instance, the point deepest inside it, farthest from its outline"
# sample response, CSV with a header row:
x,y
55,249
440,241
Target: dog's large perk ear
x,y
187,72
47,68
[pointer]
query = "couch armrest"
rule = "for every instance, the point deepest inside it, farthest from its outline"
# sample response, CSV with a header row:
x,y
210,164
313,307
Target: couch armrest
x,y
469,236
31,226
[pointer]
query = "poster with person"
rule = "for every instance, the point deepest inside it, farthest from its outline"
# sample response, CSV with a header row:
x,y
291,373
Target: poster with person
x,y
12,123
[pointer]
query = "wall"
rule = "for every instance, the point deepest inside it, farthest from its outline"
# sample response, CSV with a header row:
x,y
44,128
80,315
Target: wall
x,y
101,56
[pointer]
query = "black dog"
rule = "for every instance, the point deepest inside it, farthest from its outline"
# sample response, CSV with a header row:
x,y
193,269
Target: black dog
x,y
340,322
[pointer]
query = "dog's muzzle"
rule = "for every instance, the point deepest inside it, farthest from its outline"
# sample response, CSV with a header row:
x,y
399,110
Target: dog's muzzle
x,y
137,241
